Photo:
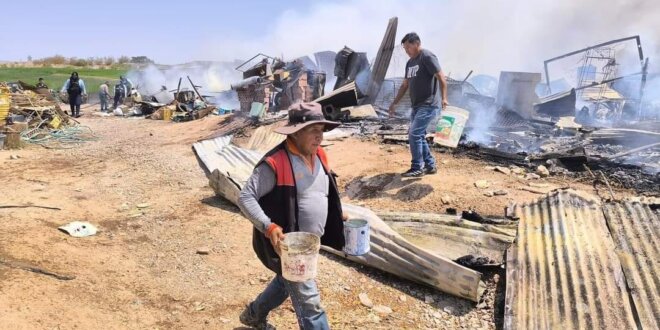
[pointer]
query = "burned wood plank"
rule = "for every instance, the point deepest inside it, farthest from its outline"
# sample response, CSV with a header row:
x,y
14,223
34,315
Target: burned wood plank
x,y
35,269
28,206
632,151
392,132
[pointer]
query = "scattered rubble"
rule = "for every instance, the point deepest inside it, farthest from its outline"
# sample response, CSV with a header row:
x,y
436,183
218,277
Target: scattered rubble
x,y
482,184
446,199
503,170
79,229
31,116
544,134
532,176
542,171
364,299
382,310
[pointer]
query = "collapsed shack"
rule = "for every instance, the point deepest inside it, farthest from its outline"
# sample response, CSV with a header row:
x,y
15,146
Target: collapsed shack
x,y
630,158
567,249
605,93
460,93
271,85
187,104
34,116
598,123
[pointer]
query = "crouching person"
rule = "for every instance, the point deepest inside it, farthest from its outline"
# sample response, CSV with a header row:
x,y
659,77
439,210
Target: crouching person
x,y
292,189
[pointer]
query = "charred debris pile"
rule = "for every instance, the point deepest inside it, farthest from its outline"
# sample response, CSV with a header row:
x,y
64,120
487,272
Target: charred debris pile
x,y
31,115
596,120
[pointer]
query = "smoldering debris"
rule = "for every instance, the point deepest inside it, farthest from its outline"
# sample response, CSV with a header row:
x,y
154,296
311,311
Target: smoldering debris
x,y
574,114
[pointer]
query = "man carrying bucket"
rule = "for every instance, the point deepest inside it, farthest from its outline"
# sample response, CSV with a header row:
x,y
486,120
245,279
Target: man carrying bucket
x,y
423,73
292,189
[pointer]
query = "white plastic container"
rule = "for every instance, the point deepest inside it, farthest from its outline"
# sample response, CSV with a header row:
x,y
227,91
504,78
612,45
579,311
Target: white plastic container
x,y
300,255
450,126
356,232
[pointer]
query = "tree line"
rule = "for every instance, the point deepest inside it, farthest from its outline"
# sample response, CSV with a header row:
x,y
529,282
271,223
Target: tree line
x,y
83,62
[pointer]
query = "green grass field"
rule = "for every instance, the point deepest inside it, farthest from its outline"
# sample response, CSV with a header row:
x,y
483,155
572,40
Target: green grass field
x,y
55,77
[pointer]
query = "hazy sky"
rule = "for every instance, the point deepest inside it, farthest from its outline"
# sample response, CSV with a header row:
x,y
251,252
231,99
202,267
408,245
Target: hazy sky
x,y
167,31
484,35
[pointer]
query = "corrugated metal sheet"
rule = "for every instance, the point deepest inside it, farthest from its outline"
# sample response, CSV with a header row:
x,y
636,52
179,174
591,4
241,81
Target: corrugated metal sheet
x,y
392,253
264,139
382,61
563,272
238,162
451,236
388,90
635,228
229,167
207,151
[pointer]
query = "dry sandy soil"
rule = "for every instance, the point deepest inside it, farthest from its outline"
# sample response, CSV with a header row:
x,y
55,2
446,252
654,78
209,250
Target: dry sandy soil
x,y
142,270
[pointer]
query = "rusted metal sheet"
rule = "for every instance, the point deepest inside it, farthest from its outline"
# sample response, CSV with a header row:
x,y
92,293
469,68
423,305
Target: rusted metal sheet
x,y
563,272
635,228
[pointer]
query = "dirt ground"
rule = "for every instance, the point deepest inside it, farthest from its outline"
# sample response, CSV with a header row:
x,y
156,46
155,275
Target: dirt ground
x,y
142,270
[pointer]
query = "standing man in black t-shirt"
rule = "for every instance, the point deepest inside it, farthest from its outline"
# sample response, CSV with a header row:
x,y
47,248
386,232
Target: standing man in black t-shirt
x,y
423,75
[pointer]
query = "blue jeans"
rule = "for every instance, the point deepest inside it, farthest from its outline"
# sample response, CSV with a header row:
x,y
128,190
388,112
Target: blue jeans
x,y
420,118
304,296
104,102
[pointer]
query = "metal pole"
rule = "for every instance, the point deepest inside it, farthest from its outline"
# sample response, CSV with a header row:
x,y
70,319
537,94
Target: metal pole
x,y
196,91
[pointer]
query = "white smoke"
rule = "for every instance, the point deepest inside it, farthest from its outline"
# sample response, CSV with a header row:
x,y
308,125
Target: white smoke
x,y
481,35
214,78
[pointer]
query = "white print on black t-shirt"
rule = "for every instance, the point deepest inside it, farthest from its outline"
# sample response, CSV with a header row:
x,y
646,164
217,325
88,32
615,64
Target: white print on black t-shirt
x,y
412,71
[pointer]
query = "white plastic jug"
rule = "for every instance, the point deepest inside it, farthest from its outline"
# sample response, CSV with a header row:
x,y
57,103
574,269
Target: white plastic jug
x,y
450,126
300,255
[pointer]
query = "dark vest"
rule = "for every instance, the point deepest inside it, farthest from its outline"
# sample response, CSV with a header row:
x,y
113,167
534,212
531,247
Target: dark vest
x,y
281,206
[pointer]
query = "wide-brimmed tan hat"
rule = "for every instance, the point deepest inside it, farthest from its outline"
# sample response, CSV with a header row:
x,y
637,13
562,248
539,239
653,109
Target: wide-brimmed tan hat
x,y
302,115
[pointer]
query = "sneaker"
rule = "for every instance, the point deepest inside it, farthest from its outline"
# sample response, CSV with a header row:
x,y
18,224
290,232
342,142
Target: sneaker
x,y
247,320
430,170
413,173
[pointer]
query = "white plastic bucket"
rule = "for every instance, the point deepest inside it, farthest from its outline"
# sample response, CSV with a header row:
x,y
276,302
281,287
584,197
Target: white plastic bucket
x,y
450,126
300,255
356,233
